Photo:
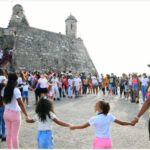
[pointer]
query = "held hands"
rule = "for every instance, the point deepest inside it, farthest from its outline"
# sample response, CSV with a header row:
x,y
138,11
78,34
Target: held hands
x,y
132,124
29,120
134,121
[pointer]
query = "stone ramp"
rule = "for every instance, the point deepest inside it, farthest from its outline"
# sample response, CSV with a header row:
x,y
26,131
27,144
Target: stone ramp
x,y
77,111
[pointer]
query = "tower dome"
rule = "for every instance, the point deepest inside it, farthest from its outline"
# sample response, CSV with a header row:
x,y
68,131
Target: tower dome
x,y
17,8
18,18
71,18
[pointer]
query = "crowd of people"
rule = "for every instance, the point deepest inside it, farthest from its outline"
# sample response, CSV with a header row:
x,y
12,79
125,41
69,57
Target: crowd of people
x,y
66,84
54,86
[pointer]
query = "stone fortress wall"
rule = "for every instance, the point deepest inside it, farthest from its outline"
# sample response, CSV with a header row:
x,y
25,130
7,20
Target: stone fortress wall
x,y
36,49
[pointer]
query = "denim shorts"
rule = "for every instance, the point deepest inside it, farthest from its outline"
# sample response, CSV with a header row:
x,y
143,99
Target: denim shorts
x,y
110,86
135,86
45,139
25,94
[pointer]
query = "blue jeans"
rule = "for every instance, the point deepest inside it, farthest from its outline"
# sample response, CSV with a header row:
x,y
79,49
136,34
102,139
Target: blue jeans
x,y
144,88
45,139
2,123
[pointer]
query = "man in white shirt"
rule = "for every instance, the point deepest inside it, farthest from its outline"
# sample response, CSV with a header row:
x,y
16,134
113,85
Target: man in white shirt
x,y
77,83
144,83
55,88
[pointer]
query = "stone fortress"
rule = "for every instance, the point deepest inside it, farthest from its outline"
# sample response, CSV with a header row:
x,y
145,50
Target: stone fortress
x,y
36,49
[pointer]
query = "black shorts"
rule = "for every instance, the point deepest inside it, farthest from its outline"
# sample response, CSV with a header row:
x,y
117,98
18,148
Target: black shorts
x,y
37,92
43,90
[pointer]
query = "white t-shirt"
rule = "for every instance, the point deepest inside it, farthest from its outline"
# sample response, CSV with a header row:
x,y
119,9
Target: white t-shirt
x,y
70,82
13,105
130,81
100,79
25,87
101,123
76,81
55,81
2,78
43,83
1,54
94,80
30,78
46,125
20,81
144,81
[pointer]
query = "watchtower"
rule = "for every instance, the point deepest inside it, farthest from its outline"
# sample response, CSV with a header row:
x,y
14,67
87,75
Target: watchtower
x,y
71,26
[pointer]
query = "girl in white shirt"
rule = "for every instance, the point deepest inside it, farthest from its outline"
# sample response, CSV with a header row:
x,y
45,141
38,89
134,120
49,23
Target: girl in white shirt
x,y
101,122
45,116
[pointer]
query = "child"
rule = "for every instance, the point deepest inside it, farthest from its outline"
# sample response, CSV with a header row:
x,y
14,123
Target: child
x,y
45,116
25,88
101,122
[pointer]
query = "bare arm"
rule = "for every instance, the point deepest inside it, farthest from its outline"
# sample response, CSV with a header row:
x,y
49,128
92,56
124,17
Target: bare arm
x,y
123,123
61,123
142,110
144,107
21,104
85,125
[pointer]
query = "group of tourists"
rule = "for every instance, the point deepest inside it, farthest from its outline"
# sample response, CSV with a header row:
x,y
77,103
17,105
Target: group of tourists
x,y
73,85
52,86
127,86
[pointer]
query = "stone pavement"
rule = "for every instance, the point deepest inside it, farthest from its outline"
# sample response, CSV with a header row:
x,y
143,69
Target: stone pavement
x,y
79,111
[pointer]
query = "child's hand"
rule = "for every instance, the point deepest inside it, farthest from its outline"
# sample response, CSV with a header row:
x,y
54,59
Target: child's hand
x,y
72,127
134,121
29,120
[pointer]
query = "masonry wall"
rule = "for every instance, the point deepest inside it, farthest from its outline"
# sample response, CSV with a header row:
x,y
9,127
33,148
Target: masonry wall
x,y
37,49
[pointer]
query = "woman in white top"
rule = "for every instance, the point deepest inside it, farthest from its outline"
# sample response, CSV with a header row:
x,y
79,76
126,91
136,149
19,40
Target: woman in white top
x,y
43,85
12,116
101,122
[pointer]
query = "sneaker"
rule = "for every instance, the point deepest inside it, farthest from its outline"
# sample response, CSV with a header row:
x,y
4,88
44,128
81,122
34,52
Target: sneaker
x,y
3,139
0,136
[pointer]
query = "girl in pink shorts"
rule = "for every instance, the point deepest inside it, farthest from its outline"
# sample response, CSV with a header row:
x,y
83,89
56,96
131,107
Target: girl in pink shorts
x,y
101,123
